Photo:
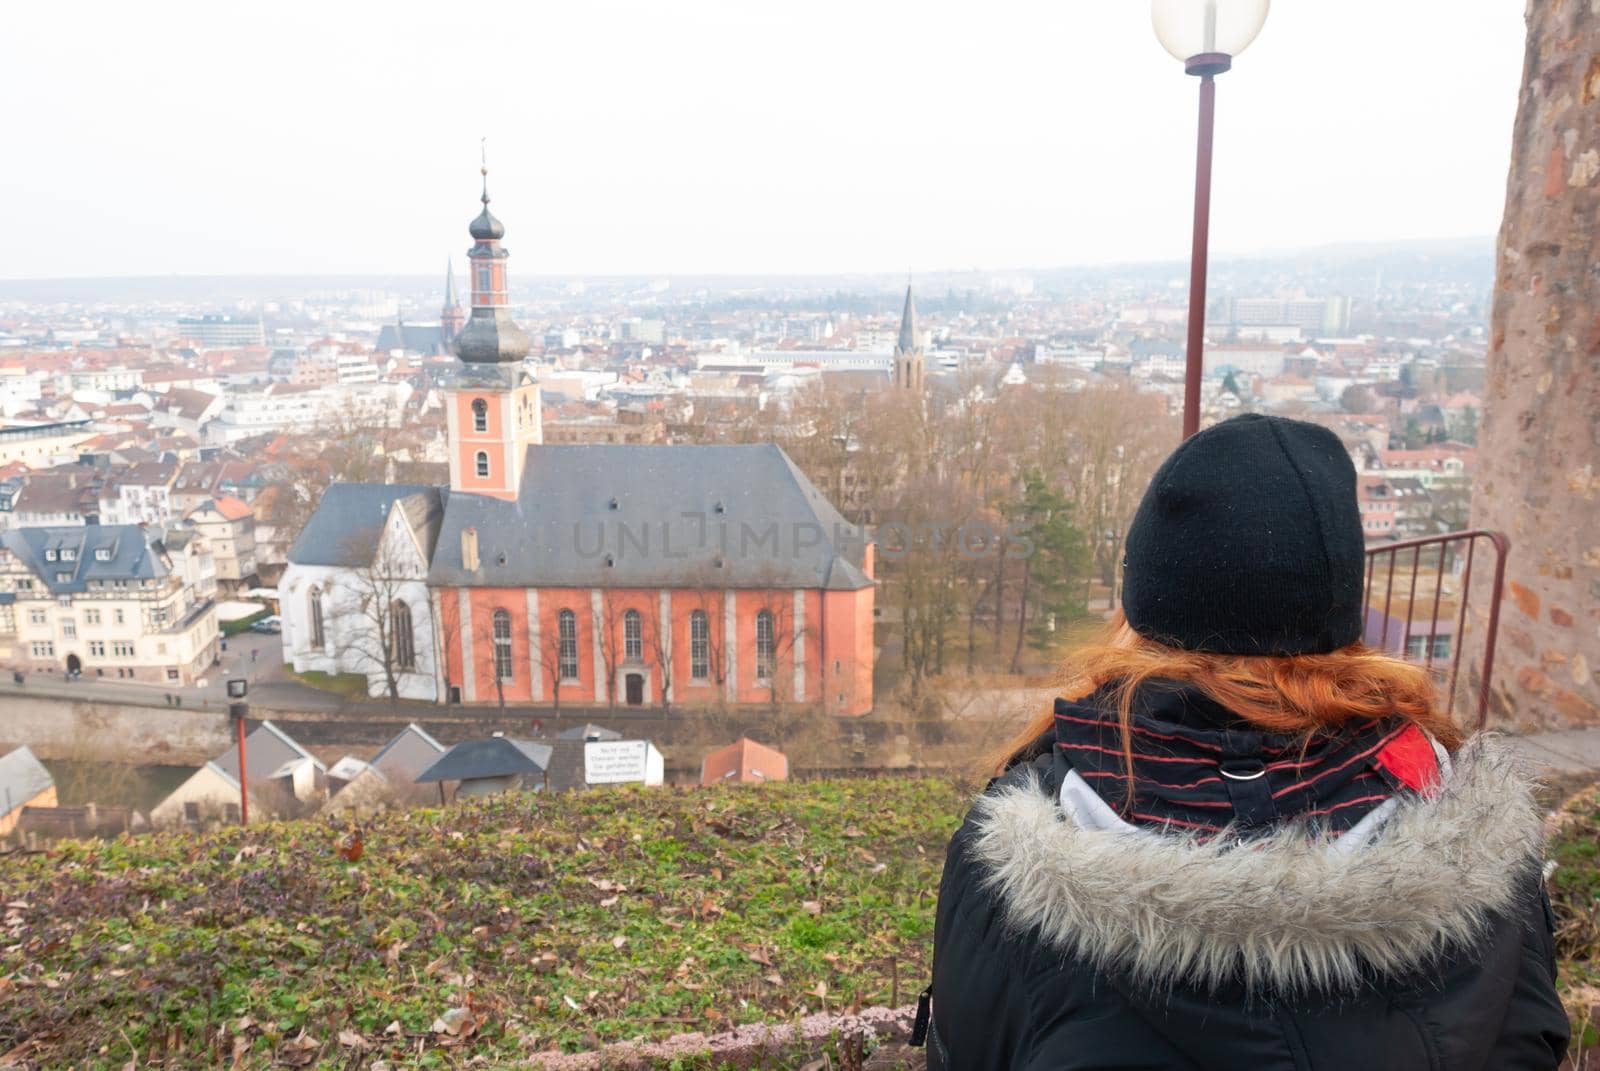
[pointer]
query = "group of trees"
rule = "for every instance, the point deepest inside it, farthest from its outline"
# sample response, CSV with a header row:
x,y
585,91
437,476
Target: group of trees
x,y
998,508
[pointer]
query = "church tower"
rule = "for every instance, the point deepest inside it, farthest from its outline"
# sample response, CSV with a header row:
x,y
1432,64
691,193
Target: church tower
x,y
908,350
491,401
451,316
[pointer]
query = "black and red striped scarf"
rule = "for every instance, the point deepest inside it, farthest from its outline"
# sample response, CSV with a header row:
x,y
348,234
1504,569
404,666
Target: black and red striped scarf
x,y
1198,767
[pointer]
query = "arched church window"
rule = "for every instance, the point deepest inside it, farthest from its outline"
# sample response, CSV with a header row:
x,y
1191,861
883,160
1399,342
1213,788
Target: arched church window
x,y
567,632
503,666
699,645
632,635
402,636
318,639
764,645
483,463
480,415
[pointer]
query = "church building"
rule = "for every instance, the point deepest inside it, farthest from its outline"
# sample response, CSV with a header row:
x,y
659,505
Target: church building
x,y
580,574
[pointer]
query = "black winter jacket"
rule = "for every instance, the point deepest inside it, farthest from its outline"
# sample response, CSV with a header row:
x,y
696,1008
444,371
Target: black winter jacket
x,y
1060,948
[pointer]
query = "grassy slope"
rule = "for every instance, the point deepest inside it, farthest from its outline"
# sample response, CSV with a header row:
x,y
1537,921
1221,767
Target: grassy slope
x,y
1575,896
554,920
349,685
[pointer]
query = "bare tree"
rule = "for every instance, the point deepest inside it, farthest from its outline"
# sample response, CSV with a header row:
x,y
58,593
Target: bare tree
x,y
499,681
374,624
926,566
1119,438
709,601
550,664
343,448
658,641
784,637
980,568
607,623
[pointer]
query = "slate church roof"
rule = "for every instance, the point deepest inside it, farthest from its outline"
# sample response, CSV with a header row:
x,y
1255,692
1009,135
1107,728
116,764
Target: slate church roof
x,y
413,338
344,529
654,516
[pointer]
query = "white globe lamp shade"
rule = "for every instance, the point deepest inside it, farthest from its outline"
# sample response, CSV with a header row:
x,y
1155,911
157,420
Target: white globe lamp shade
x,y
1191,28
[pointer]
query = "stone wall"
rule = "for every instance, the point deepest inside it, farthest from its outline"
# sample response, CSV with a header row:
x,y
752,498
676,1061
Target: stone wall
x,y
111,732
1540,435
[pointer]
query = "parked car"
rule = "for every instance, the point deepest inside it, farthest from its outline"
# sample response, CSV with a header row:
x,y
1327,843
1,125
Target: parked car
x,y
270,626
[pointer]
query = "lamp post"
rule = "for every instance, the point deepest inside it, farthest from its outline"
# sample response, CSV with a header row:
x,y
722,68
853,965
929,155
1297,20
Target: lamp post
x,y
239,709
1205,35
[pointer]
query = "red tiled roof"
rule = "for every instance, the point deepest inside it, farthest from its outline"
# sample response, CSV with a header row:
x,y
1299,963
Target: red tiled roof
x,y
231,508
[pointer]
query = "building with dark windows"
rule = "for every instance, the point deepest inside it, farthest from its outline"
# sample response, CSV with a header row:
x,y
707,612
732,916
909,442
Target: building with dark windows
x,y
111,601
221,330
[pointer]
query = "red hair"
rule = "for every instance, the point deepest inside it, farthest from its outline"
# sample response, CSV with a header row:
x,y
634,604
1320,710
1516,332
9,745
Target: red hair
x,y
1296,695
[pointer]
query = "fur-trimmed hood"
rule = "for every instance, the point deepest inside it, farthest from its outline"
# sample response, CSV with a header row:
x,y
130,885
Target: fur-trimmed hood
x,y
1283,912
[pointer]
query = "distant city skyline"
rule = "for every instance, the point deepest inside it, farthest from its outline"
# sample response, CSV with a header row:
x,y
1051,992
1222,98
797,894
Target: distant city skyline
x,y
628,139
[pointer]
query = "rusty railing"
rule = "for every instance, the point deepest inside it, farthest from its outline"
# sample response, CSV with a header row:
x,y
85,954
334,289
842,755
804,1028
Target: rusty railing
x,y
1451,567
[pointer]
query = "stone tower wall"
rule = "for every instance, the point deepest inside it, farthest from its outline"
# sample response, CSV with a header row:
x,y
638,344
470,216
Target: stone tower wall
x,y
1539,479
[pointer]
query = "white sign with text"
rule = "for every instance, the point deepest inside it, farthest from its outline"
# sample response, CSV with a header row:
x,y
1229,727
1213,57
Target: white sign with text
x,y
615,762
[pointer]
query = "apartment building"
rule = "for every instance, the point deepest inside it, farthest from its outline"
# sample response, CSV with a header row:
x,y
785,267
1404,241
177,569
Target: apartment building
x,y
107,601
228,527
139,494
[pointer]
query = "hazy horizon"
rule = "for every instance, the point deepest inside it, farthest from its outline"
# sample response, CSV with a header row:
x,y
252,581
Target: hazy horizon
x,y
717,138
1455,246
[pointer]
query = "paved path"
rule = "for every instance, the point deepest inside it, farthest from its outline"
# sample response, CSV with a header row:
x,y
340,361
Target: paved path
x,y
1565,750
251,656
1568,759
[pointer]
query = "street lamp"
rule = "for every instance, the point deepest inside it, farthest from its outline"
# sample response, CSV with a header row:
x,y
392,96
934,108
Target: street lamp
x,y
1205,35
237,688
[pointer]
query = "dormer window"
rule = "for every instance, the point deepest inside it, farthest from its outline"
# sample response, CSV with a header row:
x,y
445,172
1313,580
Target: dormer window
x,y
50,554
68,554
102,554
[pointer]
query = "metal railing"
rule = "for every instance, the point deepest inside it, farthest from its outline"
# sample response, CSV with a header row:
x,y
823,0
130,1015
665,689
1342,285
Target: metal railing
x,y
1450,568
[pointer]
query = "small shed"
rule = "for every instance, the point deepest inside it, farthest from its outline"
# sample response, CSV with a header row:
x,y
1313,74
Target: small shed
x,y
486,767
24,782
282,775
390,776
744,761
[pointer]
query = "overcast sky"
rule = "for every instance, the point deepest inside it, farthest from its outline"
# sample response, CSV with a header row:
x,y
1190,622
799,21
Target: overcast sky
x,y
740,136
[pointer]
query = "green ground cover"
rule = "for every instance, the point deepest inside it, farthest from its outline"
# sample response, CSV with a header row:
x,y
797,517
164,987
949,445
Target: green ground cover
x,y
349,685
492,928
1575,897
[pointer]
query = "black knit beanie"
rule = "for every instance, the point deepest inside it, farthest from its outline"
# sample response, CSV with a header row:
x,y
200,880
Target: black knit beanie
x,y
1248,541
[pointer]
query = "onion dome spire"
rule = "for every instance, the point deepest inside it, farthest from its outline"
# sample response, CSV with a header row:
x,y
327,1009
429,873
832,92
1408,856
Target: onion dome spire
x,y
490,336
486,227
